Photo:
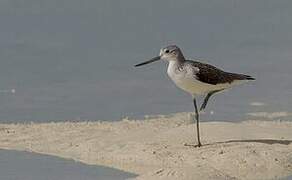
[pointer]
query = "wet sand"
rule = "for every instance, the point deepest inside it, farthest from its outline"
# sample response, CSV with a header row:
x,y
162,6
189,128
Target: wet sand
x,y
155,148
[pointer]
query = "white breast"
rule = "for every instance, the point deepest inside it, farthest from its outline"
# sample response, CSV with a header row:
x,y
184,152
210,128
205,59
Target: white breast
x,y
185,78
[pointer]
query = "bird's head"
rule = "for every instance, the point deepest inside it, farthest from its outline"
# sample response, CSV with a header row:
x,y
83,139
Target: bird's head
x,y
168,53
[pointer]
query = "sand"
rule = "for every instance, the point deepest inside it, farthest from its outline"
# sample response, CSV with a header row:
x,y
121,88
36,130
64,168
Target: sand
x,y
155,148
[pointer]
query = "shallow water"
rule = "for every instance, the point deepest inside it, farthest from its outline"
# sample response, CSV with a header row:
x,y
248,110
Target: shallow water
x,y
287,178
73,59
16,165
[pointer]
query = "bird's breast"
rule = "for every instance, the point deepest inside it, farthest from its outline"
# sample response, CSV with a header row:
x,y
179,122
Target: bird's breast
x,y
185,79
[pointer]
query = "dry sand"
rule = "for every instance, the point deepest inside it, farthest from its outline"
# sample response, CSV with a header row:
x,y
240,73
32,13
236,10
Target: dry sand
x,y
154,148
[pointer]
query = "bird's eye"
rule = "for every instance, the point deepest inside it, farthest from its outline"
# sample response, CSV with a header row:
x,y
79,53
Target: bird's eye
x,y
167,51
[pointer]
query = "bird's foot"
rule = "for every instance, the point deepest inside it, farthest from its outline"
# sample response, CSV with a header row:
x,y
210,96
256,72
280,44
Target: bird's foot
x,y
193,145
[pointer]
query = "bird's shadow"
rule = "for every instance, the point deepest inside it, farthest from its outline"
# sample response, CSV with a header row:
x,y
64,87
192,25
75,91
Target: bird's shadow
x,y
265,141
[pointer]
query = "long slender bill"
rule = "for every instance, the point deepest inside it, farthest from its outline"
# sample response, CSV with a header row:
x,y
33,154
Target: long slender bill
x,y
149,61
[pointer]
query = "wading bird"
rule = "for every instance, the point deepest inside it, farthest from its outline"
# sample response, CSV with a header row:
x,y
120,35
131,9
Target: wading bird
x,y
196,78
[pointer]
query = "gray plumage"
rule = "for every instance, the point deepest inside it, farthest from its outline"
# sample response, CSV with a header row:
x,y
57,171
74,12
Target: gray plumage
x,y
212,75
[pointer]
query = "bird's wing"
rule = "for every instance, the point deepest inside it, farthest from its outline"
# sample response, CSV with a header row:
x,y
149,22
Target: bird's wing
x,y
211,75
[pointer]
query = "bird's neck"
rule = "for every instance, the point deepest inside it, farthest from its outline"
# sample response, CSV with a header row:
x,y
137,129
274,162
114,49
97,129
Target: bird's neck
x,y
177,62
180,57
173,65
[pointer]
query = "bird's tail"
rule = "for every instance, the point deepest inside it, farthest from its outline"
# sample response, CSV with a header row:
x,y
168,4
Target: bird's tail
x,y
248,77
242,76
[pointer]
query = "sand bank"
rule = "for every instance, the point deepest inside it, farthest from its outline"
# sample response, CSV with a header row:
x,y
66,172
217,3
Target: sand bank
x,y
155,148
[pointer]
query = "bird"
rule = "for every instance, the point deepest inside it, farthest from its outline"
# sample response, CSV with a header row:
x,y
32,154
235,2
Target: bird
x,y
196,78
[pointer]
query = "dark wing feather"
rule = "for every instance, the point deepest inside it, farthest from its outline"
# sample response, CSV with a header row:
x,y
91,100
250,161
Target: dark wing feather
x,y
212,75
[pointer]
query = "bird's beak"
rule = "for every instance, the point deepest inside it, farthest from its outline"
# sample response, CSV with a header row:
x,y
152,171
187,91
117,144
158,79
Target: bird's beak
x,y
149,61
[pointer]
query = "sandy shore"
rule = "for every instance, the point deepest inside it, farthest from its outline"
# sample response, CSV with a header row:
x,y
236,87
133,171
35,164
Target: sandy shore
x,y
154,148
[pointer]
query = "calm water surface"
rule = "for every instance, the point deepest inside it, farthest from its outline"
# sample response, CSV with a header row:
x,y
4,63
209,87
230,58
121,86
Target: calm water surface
x,y
72,59
16,165
287,178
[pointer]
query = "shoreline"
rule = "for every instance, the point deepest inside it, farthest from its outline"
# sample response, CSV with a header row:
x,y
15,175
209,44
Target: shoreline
x,y
154,148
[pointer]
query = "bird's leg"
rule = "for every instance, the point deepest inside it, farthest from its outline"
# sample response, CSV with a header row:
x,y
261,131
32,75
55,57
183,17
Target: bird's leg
x,y
203,106
197,118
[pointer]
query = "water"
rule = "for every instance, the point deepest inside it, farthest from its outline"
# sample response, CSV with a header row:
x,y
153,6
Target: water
x,y
73,59
15,165
287,178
